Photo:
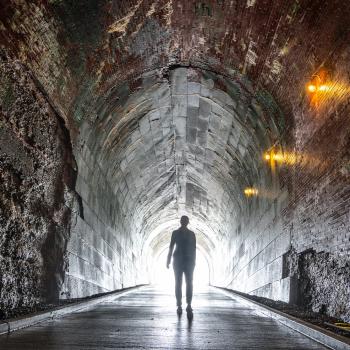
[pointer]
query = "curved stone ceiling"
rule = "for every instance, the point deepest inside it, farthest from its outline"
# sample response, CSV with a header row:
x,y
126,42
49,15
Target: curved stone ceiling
x,y
187,142
82,50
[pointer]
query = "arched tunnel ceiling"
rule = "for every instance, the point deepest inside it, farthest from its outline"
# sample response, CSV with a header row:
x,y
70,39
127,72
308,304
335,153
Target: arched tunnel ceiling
x,y
187,142
82,50
192,139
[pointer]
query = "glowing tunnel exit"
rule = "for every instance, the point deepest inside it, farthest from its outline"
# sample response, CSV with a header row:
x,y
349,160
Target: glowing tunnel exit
x,y
164,278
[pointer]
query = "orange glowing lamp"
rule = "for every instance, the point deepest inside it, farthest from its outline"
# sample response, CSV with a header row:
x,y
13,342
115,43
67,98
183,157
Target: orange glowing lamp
x,y
317,85
271,156
278,157
250,191
323,88
317,88
312,88
289,158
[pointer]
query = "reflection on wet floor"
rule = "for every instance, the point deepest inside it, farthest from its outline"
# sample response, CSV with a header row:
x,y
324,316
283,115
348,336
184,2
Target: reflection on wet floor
x,y
147,319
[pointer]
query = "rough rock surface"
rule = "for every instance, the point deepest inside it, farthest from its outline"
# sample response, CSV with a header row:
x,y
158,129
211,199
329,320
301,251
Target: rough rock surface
x,y
324,283
35,176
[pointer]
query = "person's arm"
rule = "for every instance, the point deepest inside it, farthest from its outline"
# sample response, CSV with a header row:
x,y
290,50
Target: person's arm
x,y
171,248
194,247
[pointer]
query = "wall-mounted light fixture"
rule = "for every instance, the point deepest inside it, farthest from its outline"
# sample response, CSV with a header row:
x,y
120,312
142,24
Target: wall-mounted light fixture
x,y
273,156
251,191
312,88
320,88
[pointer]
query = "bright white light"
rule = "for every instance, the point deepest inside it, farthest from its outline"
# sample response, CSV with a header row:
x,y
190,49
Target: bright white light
x,y
164,277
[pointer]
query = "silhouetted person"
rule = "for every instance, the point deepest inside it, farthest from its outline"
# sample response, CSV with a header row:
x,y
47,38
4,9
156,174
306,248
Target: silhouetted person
x,y
184,260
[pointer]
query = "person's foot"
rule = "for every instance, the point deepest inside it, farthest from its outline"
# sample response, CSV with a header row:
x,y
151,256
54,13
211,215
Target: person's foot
x,y
179,310
189,312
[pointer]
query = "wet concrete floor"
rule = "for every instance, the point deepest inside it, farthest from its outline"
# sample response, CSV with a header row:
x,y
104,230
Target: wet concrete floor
x,y
146,319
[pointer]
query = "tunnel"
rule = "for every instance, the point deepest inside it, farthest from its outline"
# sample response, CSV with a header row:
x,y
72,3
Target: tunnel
x,y
119,117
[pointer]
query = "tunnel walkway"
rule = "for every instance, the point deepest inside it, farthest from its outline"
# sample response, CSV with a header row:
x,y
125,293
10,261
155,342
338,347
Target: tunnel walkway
x,y
146,319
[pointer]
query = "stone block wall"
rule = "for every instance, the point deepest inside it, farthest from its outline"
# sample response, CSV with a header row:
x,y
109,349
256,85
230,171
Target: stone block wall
x,y
93,265
100,255
257,252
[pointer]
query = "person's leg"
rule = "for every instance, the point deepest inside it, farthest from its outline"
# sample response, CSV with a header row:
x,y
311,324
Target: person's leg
x,y
178,283
189,283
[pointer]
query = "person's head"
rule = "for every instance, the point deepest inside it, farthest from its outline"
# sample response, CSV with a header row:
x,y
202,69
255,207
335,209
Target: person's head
x,y
184,221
